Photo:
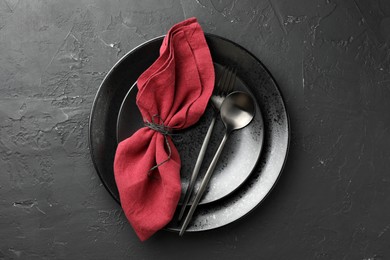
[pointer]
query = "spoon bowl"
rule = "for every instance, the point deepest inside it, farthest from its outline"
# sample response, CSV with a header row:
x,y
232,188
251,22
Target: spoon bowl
x,y
237,111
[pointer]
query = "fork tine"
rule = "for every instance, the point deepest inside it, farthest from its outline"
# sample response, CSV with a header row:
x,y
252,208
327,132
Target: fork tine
x,y
226,80
221,82
232,81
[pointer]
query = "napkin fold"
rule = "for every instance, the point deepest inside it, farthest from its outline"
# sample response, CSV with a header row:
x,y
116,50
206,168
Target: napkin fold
x,y
172,94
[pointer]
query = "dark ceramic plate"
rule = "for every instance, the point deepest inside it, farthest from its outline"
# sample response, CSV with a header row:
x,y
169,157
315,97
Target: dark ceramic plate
x,y
116,85
238,158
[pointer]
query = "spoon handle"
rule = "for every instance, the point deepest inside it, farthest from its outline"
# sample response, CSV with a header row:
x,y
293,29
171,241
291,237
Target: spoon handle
x,y
198,163
205,182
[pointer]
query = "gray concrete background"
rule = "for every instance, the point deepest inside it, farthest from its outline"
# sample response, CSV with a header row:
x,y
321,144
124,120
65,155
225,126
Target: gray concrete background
x,y
331,59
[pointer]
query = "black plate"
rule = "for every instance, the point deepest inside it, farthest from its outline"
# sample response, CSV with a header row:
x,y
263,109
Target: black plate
x,y
237,160
118,81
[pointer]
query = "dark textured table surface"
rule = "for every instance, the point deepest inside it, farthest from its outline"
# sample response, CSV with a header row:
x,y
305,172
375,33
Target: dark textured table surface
x,y
331,60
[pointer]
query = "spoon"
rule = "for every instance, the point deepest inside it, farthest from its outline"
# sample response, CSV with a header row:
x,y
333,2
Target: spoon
x,y
237,111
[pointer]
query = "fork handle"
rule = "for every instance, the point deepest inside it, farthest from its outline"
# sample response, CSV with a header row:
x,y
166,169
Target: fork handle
x,y
198,163
204,184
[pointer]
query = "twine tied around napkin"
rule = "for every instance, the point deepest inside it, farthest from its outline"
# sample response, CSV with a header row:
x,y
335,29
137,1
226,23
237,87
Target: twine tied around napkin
x,y
177,88
165,131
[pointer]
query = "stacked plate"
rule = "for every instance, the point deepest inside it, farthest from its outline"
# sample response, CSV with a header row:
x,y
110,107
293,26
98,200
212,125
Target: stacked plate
x,y
252,159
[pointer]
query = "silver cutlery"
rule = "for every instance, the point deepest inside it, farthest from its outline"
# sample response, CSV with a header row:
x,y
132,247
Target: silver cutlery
x,y
237,111
222,88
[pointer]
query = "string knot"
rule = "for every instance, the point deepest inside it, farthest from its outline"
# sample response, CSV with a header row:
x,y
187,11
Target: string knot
x,y
159,127
165,131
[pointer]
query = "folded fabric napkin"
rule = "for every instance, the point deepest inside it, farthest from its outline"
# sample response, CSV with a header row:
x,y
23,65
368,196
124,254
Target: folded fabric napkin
x,y
172,94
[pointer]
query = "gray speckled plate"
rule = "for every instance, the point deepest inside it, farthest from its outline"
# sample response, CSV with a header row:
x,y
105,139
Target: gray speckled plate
x,y
237,161
116,85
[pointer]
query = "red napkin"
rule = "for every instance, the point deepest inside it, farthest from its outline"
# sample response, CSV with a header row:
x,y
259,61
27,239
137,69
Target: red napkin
x,y
173,93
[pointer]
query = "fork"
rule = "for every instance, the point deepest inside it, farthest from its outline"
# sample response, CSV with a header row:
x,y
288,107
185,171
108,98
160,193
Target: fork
x,y
223,87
